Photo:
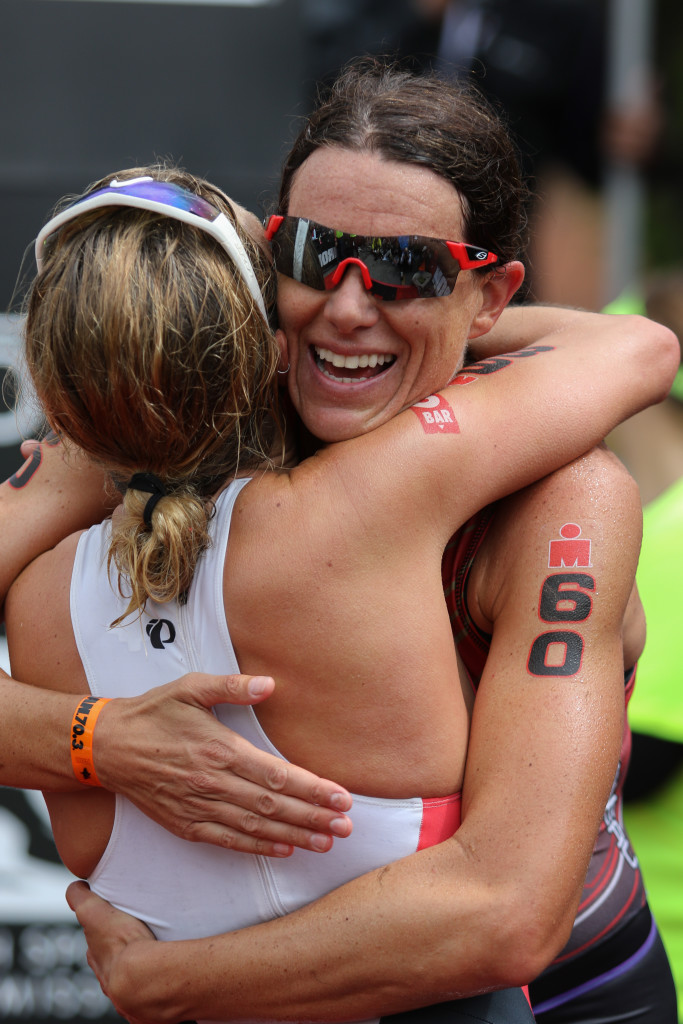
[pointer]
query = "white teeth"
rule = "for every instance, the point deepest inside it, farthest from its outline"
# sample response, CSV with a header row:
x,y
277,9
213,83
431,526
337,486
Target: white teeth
x,y
342,380
352,362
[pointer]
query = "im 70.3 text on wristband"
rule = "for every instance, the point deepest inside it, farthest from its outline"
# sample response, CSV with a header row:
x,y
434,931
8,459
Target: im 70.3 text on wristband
x,y
82,729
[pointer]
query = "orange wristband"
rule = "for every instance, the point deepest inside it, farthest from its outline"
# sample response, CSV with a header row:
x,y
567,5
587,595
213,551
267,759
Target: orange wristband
x,y
82,729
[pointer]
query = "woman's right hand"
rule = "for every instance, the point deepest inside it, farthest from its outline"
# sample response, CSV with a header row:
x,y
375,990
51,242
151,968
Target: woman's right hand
x,y
110,934
170,756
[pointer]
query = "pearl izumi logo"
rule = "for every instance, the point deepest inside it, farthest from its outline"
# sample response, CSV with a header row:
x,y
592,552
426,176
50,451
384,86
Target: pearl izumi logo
x,y
161,632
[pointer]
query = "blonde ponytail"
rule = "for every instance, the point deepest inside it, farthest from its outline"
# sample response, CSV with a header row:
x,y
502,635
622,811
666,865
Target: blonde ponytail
x,y
158,560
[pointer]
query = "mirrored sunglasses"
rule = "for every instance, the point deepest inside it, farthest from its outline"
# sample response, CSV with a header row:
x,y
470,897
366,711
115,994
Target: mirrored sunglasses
x,y
393,266
171,200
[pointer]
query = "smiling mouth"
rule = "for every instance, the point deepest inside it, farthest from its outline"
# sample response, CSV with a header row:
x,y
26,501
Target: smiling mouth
x,y
351,369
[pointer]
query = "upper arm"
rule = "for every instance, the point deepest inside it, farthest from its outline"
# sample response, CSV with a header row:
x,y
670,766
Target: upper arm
x,y
40,638
548,717
51,496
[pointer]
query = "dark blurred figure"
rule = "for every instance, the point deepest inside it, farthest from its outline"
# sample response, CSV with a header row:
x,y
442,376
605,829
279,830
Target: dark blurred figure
x,y
335,31
546,63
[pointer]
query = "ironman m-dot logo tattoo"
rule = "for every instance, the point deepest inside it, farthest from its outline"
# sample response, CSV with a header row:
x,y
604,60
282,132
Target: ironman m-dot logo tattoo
x,y
565,599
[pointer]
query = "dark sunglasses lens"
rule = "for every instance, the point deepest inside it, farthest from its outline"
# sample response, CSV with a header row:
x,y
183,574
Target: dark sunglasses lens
x,y
408,266
299,251
401,267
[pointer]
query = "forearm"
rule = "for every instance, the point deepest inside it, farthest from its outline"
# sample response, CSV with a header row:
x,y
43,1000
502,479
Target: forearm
x,y
522,325
643,356
35,726
648,347
386,942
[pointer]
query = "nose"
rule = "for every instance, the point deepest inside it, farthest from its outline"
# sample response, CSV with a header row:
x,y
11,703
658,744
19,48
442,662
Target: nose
x,y
349,304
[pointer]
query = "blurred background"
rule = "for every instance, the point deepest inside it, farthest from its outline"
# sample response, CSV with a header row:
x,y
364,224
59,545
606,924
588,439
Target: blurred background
x,y
593,90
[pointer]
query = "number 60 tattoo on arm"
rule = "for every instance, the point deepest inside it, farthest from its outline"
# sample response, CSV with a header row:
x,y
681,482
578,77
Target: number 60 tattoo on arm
x,y
565,598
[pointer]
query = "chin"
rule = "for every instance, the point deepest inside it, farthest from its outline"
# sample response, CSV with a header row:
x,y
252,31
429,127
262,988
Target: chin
x,y
336,425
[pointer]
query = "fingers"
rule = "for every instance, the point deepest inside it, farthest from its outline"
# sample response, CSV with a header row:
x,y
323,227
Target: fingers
x,y
280,778
246,761
94,914
101,922
260,810
204,690
110,935
76,894
204,782
28,447
267,824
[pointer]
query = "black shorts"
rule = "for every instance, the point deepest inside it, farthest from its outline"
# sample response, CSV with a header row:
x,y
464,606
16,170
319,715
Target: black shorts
x,y
626,979
509,1006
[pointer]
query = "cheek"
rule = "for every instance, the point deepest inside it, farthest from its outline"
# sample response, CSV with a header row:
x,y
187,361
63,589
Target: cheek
x,y
297,307
408,321
437,339
425,330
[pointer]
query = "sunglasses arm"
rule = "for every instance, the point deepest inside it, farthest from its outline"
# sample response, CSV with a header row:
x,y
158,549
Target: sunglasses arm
x,y
273,225
470,256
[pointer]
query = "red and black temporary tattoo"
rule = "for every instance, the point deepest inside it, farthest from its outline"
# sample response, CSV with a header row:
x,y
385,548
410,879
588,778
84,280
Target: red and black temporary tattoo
x,y
26,472
23,475
565,598
569,551
493,364
436,416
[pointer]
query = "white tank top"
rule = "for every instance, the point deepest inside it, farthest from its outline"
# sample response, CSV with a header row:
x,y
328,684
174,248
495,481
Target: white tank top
x,y
191,890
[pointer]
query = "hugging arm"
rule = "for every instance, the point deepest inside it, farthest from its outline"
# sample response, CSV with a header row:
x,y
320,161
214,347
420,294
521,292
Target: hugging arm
x,y
522,325
49,496
215,788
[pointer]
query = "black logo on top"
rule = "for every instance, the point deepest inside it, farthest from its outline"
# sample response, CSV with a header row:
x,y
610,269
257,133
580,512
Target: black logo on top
x,y
161,632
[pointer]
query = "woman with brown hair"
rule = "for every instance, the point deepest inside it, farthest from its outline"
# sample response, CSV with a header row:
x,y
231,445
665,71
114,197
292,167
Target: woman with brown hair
x,y
151,351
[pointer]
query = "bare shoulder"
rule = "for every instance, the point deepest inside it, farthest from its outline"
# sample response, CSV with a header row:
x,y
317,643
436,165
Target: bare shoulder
x,y
38,620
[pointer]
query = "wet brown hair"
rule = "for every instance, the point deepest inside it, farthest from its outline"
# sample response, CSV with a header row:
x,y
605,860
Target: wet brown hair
x,y
446,126
147,352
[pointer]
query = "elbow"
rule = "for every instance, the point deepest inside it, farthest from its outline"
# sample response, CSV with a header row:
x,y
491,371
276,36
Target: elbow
x,y
660,357
527,936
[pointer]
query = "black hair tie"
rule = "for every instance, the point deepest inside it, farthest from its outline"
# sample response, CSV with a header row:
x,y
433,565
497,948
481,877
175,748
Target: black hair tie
x,y
151,484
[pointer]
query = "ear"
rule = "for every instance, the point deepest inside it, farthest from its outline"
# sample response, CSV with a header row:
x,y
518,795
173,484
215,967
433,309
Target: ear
x,y
281,340
497,291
